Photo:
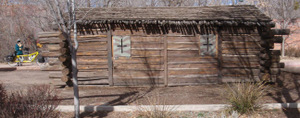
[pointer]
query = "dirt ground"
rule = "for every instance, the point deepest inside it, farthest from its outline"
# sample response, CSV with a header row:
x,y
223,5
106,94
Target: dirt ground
x,y
287,89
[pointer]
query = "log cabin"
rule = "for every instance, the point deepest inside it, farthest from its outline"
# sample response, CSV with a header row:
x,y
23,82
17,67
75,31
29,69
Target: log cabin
x,y
168,46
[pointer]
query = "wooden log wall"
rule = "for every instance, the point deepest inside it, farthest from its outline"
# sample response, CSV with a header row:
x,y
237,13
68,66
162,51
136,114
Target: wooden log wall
x,y
185,64
146,64
50,49
269,58
91,58
240,61
167,59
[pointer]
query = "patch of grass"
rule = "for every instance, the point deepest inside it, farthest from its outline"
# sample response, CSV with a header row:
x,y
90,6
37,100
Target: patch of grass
x,y
244,96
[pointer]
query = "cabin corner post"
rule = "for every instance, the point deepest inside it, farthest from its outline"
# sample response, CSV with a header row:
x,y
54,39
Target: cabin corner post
x,y
270,59
109,56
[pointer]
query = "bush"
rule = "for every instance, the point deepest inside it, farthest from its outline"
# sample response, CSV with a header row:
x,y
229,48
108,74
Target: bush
x,y
292,51
38,102
243,97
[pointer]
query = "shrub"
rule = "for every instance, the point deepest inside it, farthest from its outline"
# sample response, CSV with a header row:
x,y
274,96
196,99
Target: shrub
x,y
38,102
157,109
243,97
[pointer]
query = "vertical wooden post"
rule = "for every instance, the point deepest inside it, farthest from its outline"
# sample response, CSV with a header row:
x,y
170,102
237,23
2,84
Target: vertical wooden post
x,y
109,56
165,60
220,59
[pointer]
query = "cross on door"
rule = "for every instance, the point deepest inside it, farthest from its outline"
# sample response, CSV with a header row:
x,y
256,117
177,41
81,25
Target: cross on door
x,y
207,44
121,46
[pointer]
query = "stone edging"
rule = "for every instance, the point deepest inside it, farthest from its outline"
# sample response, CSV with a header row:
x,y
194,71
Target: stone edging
x,y
206,107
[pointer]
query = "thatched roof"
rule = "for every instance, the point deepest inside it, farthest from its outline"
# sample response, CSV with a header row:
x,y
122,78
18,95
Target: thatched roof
x,y
174,15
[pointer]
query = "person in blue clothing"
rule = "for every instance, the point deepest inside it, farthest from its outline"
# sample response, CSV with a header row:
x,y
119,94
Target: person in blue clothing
x,y
19,49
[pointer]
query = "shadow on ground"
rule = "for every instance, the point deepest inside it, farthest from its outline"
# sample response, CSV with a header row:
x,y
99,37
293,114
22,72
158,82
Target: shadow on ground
x,y
289,86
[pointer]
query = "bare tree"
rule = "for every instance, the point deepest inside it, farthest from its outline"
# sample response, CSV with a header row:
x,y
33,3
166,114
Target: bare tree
x,y
65,25
283,11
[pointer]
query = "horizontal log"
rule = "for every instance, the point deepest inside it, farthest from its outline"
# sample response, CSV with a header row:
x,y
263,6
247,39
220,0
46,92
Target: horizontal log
x,y
277,65
240,59
89,36
281,31
84,40
53,47
92,53
92,67
239,71
147,53
237,45
93,82
143,39
128,32
51,40
138,66
48,34
241,38
194,71
192,60
181,53
178,46
137,74
192,80
91,43
96,74
241,51
138,82
183,39
277,39
92,47
238,30
266,43
88,60
270,34
142,60
204,65
193,76
146,46
241,64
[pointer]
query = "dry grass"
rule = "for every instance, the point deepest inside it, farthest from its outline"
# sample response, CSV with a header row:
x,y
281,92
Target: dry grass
x,y
292,51
244,97
157,109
